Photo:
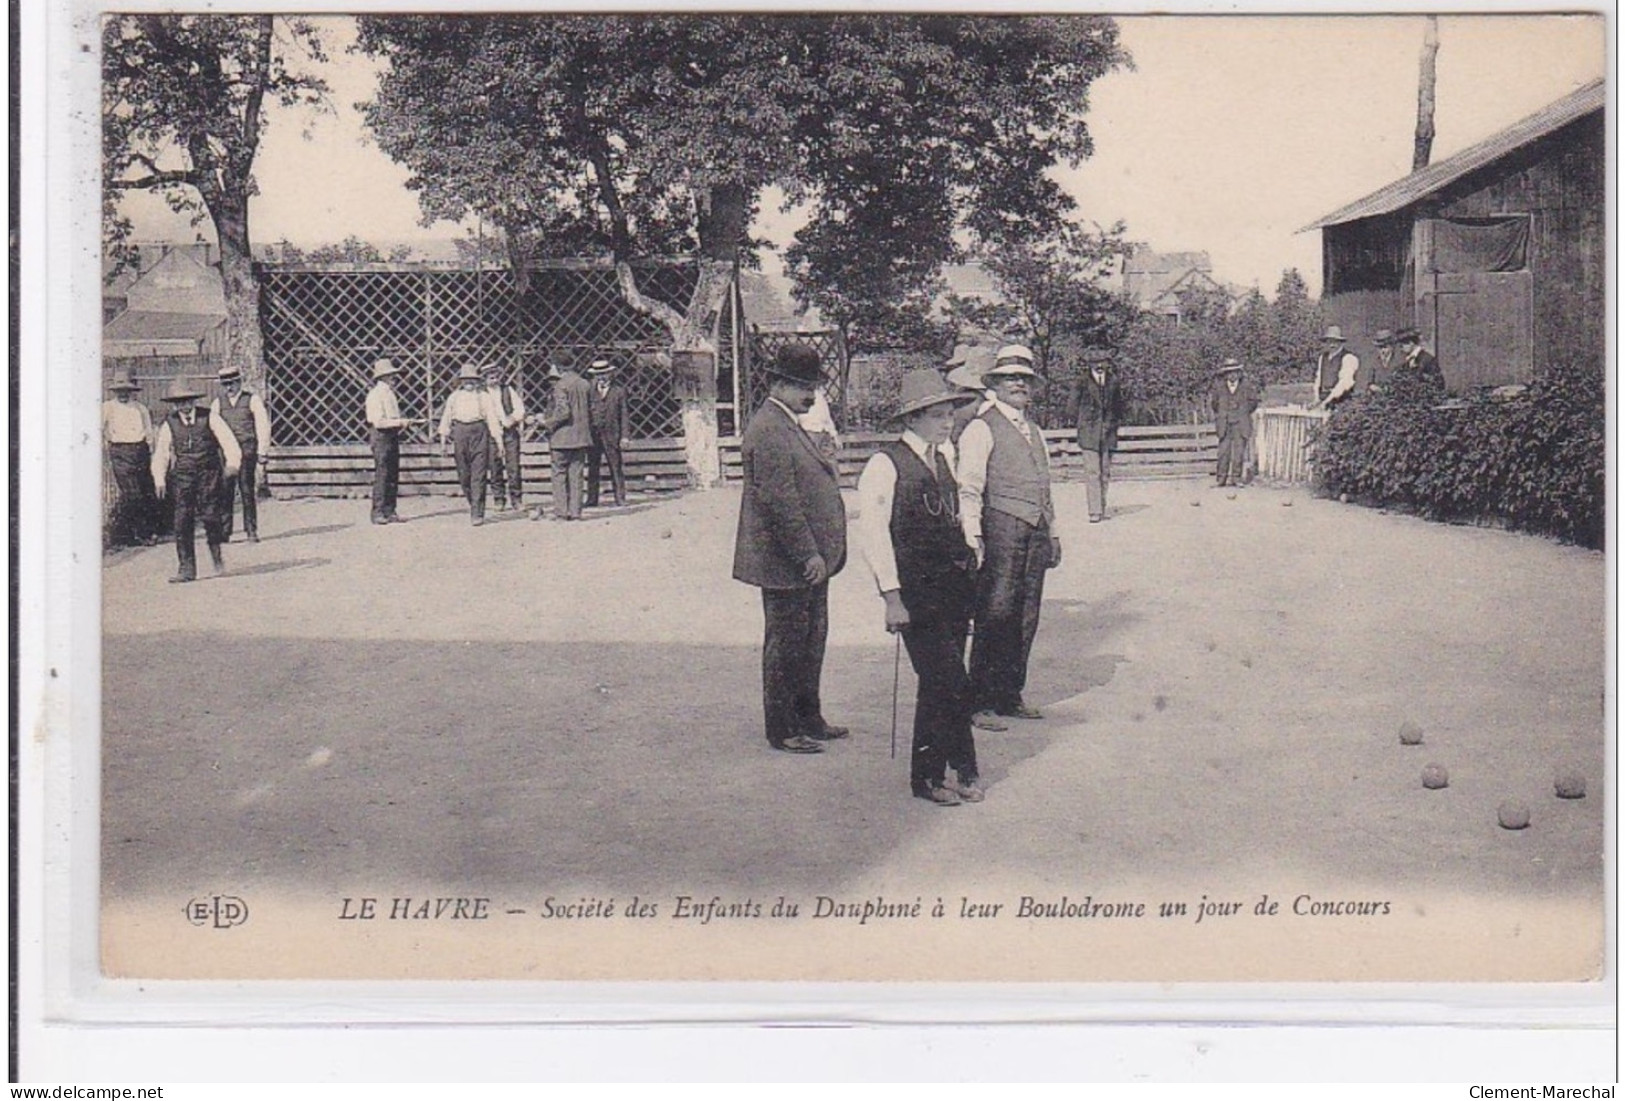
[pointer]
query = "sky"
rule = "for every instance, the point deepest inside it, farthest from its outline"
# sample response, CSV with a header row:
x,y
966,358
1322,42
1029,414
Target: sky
x,y
1228,135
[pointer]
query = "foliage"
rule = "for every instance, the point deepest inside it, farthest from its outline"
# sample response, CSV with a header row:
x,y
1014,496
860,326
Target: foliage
x,y
1535,463
351,250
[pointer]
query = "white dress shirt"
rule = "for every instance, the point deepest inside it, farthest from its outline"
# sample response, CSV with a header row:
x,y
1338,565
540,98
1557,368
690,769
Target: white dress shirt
x,y
163,451
262,420
876,487
1347,368
126,422
975,446
471,405
517,417
383,407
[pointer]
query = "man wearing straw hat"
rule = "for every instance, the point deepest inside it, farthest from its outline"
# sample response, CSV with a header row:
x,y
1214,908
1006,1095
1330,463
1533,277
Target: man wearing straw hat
x,y
507,482
127,432
1234,400
194,454
908,530
1337,370
244,413
791,541
606,416
469,423
1008,515
385,423
964,370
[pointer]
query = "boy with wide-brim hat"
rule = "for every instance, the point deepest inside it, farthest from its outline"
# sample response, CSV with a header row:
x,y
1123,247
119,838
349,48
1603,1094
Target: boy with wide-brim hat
x,y
507,481
245,414
909,533
127,433
1008,515
1234,400
469,424
606,418
194,454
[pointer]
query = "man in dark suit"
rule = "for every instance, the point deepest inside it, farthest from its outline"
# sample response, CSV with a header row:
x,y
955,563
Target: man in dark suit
x,y
569,435
791,541
1234,399
606,413
1101,408
1418,371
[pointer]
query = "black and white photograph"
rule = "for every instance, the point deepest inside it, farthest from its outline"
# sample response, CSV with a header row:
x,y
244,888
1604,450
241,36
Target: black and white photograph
x,y
847,497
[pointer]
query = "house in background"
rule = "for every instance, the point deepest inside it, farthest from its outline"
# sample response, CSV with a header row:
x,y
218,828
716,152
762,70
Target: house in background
x,y
165,318
1157,282
1497,254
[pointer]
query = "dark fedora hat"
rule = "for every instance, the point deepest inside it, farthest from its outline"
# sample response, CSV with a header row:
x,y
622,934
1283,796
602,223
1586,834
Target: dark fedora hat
x,y
1409,334
797,363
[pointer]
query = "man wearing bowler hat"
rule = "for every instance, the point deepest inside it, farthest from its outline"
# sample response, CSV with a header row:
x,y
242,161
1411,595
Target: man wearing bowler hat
x,y
1100,408
470,424
194,454
385,422
791,541
1337,370
606,414
1234,399
127,432
1008,515
908,530
244,413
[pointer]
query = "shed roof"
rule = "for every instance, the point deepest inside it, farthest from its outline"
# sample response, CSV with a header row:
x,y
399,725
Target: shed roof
x,y
150,333
1420,184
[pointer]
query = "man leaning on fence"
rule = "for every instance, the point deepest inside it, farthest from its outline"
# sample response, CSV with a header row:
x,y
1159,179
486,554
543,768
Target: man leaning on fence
x,y
244,413
127,431
385,422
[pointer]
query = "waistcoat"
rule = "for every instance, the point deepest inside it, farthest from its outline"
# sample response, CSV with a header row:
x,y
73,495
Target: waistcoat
x,y
1017,471
240,419
925,531
194,445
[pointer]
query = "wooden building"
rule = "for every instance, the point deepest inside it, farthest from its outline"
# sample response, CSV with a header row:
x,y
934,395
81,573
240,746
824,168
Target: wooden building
x,y
1497,254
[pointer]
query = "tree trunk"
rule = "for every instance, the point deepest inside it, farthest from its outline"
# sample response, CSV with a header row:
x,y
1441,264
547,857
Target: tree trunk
x,y
1424,96
244,348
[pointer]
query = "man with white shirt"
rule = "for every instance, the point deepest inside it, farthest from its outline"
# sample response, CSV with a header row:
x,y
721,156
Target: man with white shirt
x,y
908,530
194,454
1336,371
507,483
385,422
244,413
127,432
470,425
1008,515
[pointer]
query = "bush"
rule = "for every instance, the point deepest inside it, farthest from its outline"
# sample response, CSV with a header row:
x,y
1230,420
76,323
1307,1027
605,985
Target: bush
x,y
1533,463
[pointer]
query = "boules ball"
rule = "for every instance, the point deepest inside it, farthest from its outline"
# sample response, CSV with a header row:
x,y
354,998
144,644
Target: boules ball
x,y
1571,785
1343,498
1435,777
1410,733
1513,816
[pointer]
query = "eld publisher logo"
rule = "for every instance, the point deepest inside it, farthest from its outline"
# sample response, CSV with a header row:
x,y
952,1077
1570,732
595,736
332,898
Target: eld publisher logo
x,y
217,911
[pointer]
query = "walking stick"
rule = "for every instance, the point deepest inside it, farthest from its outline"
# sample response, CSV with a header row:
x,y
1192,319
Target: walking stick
x,y
896,663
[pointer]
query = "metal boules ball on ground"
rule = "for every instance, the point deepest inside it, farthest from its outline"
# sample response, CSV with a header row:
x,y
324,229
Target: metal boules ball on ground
x,y
1571,785
1435,777
1512,816
1409,733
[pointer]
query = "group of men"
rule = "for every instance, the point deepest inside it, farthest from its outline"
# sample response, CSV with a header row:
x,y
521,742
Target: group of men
x,y
195,465
482,424
1402,364
955,524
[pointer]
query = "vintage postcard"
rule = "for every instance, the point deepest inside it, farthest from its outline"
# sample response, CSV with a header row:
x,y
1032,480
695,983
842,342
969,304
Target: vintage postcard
x,y
846,498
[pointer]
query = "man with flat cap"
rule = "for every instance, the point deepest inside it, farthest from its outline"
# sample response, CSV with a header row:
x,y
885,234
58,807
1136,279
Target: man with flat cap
x,y
384,423
244,413
1008,515
1234,400
507,482
791,541
606,414
908,530
127,431
1100,410
194,454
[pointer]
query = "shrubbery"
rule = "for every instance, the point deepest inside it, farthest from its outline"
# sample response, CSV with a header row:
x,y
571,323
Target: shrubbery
x,y
1534,463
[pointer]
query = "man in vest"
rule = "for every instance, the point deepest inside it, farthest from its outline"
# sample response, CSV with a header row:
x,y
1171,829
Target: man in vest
x,y
1009,517
908,530
127,432
194,454
507,483
791,540
606,414
469,423
1100,409
1337,370
385,422
244,413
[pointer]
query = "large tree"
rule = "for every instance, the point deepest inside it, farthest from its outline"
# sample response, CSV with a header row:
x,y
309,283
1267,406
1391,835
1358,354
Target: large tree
x,y
645,134
183,109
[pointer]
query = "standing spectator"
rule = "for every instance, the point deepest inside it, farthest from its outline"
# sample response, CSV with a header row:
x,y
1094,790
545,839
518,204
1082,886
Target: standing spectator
x,y
1009,517
819,424
470,424
606,415
908,529
385,422
1383,370
1418,370
194,454
791,541
1101,408
1337,370
244,413
127,431
1234,399
507,482
964,370
568,423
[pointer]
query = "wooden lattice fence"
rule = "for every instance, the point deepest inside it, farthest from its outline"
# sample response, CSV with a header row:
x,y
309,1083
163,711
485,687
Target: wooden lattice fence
x,y
324,327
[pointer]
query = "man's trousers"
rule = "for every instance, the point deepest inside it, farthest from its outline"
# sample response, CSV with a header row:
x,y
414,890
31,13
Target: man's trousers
x,y
935,639
605,448
471,445
568,464
1097,478
386,471
1010,592
797,627
196,495
246,480
1232,456
507,483
135,513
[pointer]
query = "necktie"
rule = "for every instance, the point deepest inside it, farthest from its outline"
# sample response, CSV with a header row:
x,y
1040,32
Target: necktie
x,y
931,459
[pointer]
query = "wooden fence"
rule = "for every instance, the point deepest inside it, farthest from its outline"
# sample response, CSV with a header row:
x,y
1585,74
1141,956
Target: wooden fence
x,y
1281,443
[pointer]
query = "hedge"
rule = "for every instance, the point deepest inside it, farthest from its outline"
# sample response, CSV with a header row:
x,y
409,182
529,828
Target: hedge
x,y
1534,462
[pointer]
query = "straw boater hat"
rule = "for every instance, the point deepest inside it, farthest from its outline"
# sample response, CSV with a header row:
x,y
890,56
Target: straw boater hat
x,y
228,374
1013,359
1228,367
384,367
923,389
1334,335
1384,338
180,390
470,373
491,369
602,366
797,363
122,381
